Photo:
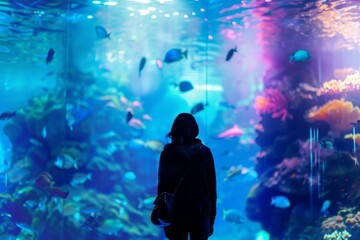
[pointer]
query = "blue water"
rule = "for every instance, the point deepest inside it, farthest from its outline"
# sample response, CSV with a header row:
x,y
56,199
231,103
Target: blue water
x,y
83,92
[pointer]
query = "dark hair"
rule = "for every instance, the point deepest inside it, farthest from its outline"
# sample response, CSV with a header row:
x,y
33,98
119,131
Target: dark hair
x,y
184,129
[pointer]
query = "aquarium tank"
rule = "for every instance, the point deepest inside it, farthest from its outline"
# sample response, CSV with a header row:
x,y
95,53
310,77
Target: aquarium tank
x,y
90,89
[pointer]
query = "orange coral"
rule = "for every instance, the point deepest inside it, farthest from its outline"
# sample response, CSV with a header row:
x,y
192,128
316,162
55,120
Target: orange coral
x,y
339,114
351,136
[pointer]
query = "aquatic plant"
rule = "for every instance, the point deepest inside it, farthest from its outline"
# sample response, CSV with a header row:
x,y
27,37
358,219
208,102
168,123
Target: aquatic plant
x,y
339,114
347,219
273,102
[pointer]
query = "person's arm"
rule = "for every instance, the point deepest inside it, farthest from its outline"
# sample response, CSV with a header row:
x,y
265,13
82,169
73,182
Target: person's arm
x,y
212,187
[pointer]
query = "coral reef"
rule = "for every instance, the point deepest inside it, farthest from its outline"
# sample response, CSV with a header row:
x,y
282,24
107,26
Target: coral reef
x,y
349,84
343,235
339,114
273,102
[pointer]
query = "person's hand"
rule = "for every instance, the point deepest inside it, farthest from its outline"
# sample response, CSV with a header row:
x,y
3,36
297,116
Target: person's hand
x,y
211,230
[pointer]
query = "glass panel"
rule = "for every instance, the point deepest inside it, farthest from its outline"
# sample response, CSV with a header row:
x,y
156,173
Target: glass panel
x,y
90,89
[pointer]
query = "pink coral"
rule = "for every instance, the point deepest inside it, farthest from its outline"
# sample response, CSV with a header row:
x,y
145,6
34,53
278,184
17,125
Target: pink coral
x,y
273,102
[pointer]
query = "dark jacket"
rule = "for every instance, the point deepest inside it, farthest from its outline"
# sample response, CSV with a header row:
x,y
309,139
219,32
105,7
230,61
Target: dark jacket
x,y
196,196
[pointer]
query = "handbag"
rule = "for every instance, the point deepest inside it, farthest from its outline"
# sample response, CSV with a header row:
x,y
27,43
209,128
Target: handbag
x,y
163,211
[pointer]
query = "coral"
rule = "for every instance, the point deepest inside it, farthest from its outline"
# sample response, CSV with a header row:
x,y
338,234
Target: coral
x,y
351,136
343,235
351,83
343,72
290,176
337,227
339,114
273,102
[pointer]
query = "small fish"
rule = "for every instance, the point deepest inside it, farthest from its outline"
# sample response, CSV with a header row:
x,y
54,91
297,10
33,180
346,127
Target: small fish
x,y
36,142
44,180
7,115
30,204
80,178
280,202
65,161
129,115
230,53
174,55
154,145
325,206
184,86
300,56
198,107
159,64
136,123
50,55
142,65
44,132
326,144
232,215
146,203
147,117
234,131
58,192
129,176
226,105
101,32
25,227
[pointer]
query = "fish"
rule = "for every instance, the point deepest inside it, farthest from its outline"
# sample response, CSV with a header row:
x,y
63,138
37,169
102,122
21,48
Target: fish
x,y
50,55
101,32
227,105
300,56
111,226
35,142
26,227
129,115
146,203
154,145
230,53
232,215
30,204
80,178
136,123
280,202
65,161
44,180
325,206
44,132
234,131
159,64
58,192
326,144
184,86
129,176
142,65
7,115
198,107
174,55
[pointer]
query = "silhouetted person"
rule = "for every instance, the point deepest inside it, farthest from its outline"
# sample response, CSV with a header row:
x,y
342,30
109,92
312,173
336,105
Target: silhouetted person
x,y
195,200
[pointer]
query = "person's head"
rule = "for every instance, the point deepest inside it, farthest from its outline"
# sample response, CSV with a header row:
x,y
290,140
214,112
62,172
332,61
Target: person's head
x,y
184,129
